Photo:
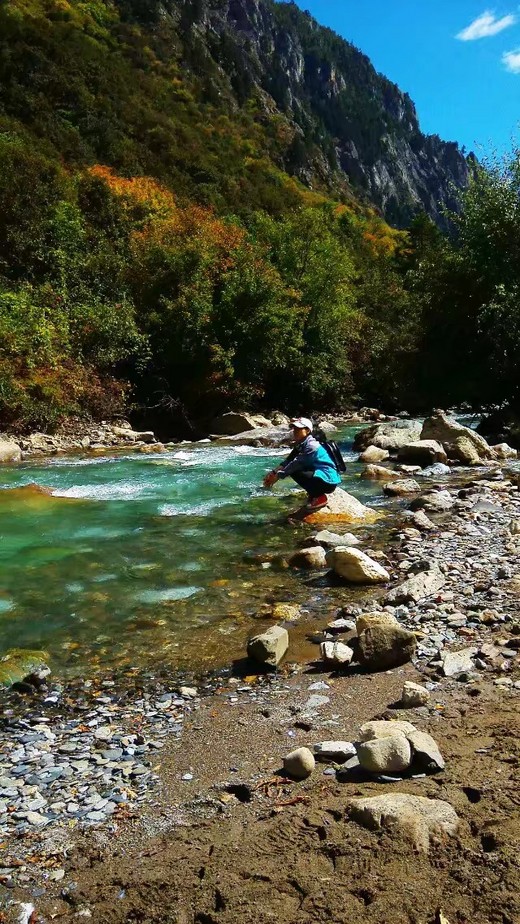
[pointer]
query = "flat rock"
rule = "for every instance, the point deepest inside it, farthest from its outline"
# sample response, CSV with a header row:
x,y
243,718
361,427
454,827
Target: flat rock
x,y
269,647
336,751
401,487
458,662
417,587
418,818
385,755
356,567
329,540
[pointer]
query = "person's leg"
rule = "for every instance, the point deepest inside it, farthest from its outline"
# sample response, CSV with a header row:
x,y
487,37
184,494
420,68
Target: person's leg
x,y
317,489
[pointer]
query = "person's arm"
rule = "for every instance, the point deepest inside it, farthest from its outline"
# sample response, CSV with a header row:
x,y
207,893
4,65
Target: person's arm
x,y
275,474
300,459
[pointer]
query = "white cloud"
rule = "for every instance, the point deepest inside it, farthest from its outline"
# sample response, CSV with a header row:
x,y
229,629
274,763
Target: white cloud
x,y
511,61
485,26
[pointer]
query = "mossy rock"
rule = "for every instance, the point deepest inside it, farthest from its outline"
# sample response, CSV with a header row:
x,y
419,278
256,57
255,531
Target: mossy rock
x,y
19,664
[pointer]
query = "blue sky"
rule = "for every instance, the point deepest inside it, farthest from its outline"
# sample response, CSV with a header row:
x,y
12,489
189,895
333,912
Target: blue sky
x,y
458,59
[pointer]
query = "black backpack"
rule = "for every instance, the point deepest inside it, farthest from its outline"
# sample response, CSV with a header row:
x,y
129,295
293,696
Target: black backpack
x,y
332,448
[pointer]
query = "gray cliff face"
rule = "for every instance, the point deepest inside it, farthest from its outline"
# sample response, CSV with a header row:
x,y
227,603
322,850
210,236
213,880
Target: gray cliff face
x,y
350,127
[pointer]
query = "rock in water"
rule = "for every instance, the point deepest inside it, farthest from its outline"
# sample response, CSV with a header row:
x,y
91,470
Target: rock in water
x,y
416,817
356,567
373,454
422,452
426,754
436,502
336,654
269,647
417,587
414,695
389,436
379,473
503,451
380,728
299,763
448,431
401,487
20,664
382,645
311,558
10,451
385,755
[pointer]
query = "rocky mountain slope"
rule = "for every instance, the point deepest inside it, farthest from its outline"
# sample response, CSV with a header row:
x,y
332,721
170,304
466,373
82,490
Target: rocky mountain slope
x,y
343,123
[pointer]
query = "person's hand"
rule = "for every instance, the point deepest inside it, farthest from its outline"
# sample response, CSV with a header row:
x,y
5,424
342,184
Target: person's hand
x,y
270,479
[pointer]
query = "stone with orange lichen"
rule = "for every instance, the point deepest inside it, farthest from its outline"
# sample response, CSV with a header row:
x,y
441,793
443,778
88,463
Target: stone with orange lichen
x,y
342,508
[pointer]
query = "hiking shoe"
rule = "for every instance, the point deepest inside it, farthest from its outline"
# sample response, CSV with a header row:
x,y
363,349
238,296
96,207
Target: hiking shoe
x,y
317,503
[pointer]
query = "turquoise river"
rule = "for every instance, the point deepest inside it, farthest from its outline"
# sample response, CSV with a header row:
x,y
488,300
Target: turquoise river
x,y
140,560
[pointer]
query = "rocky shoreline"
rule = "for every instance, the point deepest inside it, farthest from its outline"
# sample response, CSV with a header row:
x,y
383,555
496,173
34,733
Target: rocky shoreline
x,y
88,757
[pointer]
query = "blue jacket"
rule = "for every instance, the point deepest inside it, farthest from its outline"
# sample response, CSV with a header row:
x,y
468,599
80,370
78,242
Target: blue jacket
x,y
310,456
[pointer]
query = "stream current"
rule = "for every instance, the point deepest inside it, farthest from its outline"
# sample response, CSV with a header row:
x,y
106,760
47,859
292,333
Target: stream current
x,y
145,560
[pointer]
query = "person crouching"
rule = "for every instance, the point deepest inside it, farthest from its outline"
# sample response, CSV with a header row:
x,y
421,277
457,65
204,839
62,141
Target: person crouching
x,y
309,465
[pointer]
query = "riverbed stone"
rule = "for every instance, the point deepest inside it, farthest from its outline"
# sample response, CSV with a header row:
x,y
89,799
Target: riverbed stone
x,y
356,567
504,451
234,423
299,763
329,540
426,754
336,751
458,662
385,755
434,501
401,487
416,817
382,645
379,473
414,695
23,665
417,587
312,558
269,647
336,654
372,455
10,451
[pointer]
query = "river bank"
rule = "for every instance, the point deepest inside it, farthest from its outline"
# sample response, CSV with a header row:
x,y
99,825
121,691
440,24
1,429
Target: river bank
x,y
267,848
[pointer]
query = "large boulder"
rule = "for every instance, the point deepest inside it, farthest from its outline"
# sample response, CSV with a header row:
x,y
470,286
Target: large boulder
x,y
389,436
418,818
10,451
269,647
422,452
417,587
503,451
382,645
372,455
234,423
343,508
385,755
356,567
272,437
455,437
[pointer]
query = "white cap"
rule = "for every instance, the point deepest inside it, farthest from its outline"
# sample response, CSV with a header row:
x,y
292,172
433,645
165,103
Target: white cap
x,y
303,423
